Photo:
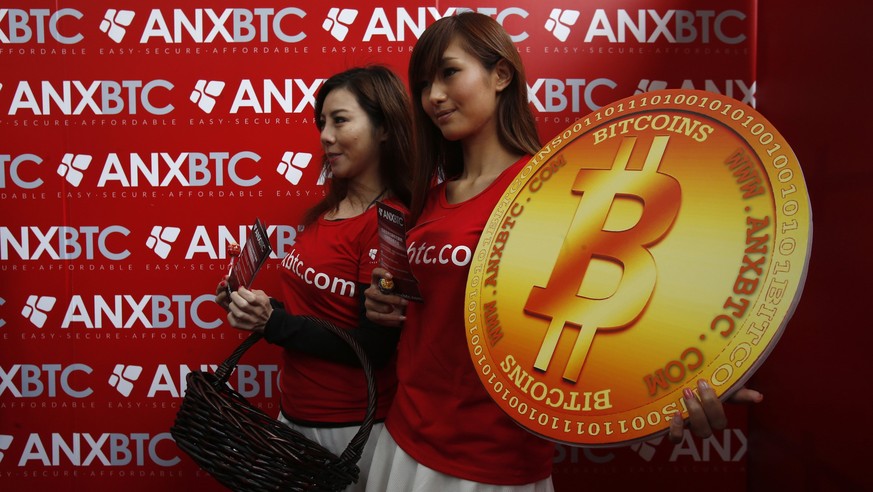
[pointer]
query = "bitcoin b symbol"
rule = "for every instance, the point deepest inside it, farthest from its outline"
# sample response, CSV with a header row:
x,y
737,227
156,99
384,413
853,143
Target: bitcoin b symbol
x,y
587,239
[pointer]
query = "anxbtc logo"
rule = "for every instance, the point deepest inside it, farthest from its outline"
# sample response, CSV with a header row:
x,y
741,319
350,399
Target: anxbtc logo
x,y
249,381
205,92
124,312
123,376
647,85
292,165
61,242
5,442
25,25
232,25
671,26
133,170
556,95
85,449
100,97
37,308
560,21
284,93
211,242
647,449
285,96
161,239
338,21
392,25
115,22
72,167
188,169
17,177
44,380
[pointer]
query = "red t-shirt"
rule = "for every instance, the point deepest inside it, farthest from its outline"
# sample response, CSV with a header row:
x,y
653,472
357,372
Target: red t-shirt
x,y
320,277
442,415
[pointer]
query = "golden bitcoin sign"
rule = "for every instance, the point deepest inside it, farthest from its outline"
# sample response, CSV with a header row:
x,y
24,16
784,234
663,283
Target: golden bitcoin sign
x,y
660,240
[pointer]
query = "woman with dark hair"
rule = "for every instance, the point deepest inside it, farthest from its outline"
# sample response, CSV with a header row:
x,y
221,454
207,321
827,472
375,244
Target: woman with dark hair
x,y
475,131
363,116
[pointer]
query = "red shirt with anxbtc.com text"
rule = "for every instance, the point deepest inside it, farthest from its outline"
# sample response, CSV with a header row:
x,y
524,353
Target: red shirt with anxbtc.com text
x,y
442,415
320,278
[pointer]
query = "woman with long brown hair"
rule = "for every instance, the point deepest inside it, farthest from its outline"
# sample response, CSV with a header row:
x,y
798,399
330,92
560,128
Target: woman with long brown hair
x,y
475,131
363,118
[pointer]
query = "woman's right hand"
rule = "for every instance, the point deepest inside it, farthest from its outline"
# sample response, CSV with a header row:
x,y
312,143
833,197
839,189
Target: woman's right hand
x,y
384,309
221,296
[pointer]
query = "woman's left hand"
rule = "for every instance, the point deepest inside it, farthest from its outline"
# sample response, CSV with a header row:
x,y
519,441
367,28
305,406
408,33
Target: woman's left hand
x,y
706,412
249,310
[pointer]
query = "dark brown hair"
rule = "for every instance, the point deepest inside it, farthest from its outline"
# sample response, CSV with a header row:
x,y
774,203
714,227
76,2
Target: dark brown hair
x,y
382,96
483,38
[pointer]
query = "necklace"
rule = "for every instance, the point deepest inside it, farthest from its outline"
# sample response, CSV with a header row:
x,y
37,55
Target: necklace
x,y
332,215
376,199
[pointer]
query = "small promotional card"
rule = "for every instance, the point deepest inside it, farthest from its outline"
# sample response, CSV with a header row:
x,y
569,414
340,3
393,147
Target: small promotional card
x,y
392,242
253,255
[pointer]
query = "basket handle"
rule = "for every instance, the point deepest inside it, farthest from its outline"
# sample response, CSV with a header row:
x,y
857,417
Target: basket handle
x,y
226,368
354,450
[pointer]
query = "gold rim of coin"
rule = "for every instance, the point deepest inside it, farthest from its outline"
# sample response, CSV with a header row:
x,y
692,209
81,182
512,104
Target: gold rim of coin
x,y
660,240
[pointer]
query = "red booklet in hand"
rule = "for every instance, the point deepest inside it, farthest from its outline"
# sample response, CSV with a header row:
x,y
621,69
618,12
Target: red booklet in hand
x,y
392,245
253,255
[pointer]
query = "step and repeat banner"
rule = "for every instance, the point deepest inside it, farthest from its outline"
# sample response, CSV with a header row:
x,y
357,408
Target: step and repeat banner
x,y
138,138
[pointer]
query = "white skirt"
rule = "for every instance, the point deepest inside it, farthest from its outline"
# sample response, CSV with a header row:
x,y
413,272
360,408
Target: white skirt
x,y
392,470
336,440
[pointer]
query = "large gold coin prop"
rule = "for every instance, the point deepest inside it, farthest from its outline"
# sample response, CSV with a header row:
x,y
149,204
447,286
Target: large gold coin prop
x,y
657,241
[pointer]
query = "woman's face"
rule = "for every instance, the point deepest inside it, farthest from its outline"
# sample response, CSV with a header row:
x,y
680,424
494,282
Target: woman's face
x,y
461,100
348,137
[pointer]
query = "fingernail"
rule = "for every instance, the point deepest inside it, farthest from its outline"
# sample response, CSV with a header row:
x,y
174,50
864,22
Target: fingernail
x,y
677,417
223,283
689,395
703,384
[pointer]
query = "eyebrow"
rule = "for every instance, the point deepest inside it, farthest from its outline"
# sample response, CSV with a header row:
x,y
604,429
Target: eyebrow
x,y
337,111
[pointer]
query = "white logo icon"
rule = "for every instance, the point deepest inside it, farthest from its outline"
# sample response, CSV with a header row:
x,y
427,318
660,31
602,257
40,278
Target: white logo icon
x,y
338,22
71,167
36,309
2,321
5,442
647,85
123,376
559,22
161,240
373,253
205,92
647,449
292,166
115,21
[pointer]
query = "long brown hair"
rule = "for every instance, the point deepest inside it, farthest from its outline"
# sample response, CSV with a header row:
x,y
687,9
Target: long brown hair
x,y
483,38
382,96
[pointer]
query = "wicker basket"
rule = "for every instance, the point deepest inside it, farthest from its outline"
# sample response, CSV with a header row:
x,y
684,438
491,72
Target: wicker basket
x,y
248,450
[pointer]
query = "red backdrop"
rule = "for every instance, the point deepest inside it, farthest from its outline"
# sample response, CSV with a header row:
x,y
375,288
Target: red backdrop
x,y
135,140
813,429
